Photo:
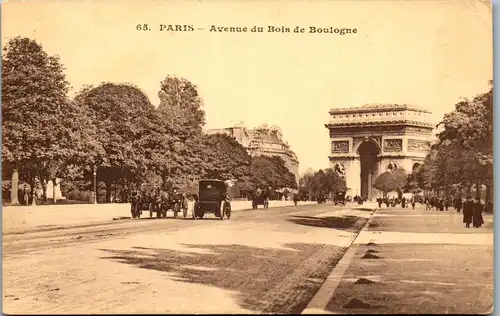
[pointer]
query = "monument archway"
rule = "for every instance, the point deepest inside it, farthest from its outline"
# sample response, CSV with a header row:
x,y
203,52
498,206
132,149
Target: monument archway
x,y
373,138
368,153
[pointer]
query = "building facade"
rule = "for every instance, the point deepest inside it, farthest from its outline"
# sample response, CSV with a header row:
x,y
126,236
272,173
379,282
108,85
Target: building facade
x,y
262,140
365,141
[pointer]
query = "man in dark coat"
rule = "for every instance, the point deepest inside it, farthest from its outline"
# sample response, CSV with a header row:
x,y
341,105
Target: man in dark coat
x,y
468,211
477,217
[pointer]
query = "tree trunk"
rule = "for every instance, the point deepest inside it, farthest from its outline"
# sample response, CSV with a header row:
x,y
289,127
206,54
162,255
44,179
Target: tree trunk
x,y
14,188
54,183
92,194
44,192
478,191
33,193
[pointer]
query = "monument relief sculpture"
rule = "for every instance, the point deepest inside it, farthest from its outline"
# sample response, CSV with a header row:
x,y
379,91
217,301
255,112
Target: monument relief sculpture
x,y
418,145
393,145
340,170
340,146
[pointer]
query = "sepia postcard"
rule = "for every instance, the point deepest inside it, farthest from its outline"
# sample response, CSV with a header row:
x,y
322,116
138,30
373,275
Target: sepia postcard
x,y
247,157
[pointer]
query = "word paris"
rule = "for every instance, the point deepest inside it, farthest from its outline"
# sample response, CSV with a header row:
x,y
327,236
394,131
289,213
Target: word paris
x,y
283,29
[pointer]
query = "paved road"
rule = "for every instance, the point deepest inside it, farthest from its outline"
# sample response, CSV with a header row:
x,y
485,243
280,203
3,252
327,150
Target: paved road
x,y
263,261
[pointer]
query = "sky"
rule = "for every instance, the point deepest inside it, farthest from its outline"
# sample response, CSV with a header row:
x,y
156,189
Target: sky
x,y
425,53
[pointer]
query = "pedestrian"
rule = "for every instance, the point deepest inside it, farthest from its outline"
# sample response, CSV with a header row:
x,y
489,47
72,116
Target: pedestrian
x,y
477,217
446,203
413,204
468,212
427,204
458,204
379,201
403,202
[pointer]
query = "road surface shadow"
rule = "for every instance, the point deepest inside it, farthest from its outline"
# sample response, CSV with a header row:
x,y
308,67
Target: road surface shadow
x,y
268,280
347,223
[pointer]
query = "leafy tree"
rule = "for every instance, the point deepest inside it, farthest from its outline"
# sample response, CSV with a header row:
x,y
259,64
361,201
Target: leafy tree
x,y
391,180
129,130
226,158
182,118
322,182
34,105
463,154
271,171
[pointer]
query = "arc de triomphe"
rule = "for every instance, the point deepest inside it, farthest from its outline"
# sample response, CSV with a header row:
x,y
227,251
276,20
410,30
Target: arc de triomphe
x,y
368,140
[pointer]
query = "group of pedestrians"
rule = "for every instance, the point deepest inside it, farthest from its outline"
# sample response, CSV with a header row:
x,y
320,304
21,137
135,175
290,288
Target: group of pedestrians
x,y
393,202
472,210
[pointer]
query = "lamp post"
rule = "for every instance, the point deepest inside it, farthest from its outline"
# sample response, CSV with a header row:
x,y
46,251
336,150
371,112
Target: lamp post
x,y
95,184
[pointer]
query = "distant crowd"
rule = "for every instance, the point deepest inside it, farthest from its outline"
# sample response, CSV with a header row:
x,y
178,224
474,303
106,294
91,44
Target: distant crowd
x,y
472,210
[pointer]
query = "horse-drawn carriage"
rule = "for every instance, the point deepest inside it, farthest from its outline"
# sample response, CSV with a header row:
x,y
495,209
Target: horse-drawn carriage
x,y
339,198
260,198
173,201
158,202
321,199
213,198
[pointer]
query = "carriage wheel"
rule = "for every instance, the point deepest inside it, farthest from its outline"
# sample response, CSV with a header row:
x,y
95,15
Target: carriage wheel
x,y
201,215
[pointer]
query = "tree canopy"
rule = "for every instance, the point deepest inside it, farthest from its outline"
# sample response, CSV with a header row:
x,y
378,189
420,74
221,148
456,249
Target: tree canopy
x,y
321,182
463,154
391,180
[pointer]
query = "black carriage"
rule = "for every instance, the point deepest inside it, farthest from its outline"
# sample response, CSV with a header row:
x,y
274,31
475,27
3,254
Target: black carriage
x,y
213,198
339,198
260,198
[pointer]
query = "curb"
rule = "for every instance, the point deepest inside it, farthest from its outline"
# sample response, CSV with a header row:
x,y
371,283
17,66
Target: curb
x,y
321,299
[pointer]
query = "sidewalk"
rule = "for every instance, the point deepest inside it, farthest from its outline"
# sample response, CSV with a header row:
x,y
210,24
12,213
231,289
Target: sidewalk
x,y
25,217
416,261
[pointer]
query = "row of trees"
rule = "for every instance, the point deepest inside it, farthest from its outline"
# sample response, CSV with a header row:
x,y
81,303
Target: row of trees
x,y
462,158
322,182
113,131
